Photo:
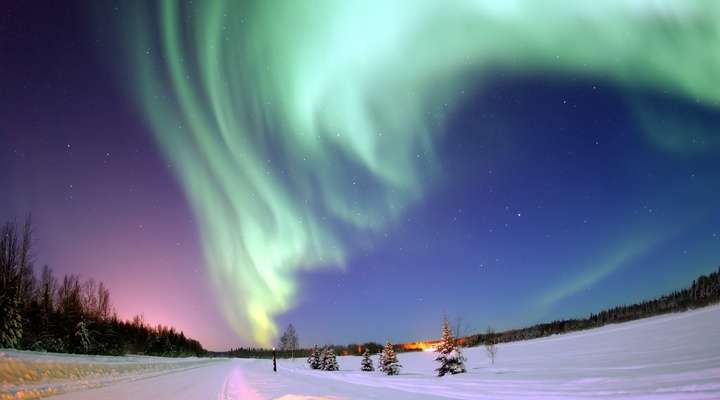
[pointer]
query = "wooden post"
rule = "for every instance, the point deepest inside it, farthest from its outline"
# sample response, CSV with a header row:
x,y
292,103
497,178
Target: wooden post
x,y
274,361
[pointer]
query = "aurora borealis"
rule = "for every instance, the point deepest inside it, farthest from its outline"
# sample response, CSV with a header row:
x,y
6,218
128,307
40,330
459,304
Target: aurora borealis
x,y
324,147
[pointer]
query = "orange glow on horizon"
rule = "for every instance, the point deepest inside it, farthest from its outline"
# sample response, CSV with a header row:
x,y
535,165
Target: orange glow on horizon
x,y
422,346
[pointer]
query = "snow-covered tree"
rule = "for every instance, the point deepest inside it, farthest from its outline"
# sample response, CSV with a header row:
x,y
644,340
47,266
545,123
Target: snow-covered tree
x,y
83,335
366,364
329,361
323,353
10,321
449,356
388,362
314,360
381,360
15,266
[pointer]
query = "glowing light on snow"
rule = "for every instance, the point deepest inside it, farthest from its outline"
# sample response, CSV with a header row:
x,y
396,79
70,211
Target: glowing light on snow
x,y
291,125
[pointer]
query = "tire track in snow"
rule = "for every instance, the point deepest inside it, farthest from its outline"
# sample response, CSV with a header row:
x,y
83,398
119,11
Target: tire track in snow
x,y
235,387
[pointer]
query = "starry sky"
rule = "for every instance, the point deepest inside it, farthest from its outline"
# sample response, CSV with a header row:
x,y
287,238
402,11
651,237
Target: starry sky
x,y
359,169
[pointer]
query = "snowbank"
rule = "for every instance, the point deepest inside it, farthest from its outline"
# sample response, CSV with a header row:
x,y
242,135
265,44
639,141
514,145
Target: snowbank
x,y
30,375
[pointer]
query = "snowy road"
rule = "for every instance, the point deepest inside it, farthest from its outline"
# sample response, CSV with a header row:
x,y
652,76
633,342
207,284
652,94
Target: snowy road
x,y
668,357
237,379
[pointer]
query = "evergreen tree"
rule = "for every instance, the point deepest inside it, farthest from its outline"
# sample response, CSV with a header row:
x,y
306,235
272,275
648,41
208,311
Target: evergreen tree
x,y
366,364
388,362
83,335
314,360
449,356
329,361
323,354
10,321
381,360
11,302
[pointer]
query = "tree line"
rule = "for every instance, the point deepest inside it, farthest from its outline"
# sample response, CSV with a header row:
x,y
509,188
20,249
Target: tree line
x,y
68,315
354,349
289,347
702,291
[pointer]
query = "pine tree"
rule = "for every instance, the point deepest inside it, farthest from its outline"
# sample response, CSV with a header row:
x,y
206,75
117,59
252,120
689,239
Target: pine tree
x,y
329,361
314,360
10,321
11,307
366,364
449,356
388,362
323,354
381,360
83,335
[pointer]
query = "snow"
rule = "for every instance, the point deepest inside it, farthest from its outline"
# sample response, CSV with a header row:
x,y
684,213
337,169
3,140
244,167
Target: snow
x,y
28,375
674,356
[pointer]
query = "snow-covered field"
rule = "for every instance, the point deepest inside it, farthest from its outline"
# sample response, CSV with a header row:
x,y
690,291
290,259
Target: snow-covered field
x,y
30,375
668,357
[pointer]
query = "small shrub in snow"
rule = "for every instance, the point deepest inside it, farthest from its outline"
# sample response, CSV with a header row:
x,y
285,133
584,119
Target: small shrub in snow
x,y
366,364
314,360
49,344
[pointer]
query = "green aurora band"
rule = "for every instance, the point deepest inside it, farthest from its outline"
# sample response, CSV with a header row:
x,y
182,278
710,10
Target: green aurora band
x,y
269,112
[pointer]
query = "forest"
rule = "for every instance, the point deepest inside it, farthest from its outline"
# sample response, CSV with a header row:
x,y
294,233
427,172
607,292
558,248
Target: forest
x,y
40,312
354,349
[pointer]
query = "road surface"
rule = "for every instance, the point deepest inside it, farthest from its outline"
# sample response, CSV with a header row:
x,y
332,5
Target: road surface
x,y
238,379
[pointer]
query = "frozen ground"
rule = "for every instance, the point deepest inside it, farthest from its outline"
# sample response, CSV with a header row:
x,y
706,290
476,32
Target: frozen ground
x,y
669,357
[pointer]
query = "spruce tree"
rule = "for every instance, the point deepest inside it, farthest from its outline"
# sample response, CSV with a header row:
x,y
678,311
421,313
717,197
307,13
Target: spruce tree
x,y
10,321
329,361
83,335
381,360
11,301
388,362
449,356
314,360
366,364
323,354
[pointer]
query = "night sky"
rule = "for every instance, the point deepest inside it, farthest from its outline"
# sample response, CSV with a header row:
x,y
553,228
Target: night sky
x,y
234,169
